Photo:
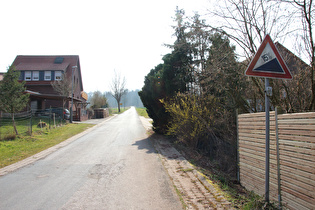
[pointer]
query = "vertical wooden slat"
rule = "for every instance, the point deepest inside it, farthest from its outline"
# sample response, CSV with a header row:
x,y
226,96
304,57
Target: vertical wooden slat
x,y
296,134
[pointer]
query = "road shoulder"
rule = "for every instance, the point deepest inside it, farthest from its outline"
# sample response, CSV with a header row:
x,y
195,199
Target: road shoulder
x,y
195,190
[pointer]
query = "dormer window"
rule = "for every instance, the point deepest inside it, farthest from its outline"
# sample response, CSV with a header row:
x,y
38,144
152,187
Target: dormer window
x,y
47,76
58,75
28,76
59,60
36,75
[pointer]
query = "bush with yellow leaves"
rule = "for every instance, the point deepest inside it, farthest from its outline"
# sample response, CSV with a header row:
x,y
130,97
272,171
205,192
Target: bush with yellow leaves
x,y
203,123
193,118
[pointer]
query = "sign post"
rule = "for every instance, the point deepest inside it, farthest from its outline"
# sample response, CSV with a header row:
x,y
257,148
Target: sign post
x,y
268,63
267,165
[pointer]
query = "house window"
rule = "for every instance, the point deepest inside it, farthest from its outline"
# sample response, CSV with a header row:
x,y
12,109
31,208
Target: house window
x,y
28,76
58,75
36,75
47,75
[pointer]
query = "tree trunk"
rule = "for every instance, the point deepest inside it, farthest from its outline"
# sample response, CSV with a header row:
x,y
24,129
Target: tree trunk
x,y
14,126
312,104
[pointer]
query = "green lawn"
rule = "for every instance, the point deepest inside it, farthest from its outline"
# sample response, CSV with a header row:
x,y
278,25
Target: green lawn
x,y
24,126
24,146
15,148
141,111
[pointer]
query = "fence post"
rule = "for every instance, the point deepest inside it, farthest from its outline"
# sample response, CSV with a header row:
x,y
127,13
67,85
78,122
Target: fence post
x,y
237,149
49,116
0,123
278,159
54,119
31,130
41,125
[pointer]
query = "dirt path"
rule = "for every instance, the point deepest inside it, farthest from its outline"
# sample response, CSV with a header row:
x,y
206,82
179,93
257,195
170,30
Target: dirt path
x,y
196,191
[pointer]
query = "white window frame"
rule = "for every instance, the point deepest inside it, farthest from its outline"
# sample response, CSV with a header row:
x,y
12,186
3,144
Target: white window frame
x,y
47,75
58,75
35,75
28,76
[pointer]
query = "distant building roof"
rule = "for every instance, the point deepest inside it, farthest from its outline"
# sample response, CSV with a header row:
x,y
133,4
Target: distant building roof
x,y
44,62
294,63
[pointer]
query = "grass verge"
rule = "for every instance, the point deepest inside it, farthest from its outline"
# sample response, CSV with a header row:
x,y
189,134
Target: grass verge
x,y
142,112
180,197
115,110
230,188
21,147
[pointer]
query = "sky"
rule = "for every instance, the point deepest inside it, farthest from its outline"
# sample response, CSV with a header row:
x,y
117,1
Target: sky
x,y
125,36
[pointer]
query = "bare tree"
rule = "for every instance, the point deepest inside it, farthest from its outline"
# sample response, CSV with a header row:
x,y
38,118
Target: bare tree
x,y
306,12
247,22
63,87
118,89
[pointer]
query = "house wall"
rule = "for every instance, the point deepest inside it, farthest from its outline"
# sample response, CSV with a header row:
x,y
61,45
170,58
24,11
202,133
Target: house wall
x,y
53,103
43,89
52,64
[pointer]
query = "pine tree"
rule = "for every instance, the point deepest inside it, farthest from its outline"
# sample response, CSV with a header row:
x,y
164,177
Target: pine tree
x,y
12,94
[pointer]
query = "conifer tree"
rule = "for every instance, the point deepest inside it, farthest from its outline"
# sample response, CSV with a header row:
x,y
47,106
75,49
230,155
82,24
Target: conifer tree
x,y
12,94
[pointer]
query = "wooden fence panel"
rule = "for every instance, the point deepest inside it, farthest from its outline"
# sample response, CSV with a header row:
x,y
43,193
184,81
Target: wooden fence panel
x,y
297,157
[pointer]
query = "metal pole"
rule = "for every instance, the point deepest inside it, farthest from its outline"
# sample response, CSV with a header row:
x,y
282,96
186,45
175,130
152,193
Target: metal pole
x,y
267,140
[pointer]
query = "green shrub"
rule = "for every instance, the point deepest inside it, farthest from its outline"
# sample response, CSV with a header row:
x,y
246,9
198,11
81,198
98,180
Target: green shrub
x,y
201,122
192,118
257,203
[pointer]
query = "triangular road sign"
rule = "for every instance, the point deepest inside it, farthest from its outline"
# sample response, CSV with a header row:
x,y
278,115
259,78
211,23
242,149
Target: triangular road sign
x,y
267,62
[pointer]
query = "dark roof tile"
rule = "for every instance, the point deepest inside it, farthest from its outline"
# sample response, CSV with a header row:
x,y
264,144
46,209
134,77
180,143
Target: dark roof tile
x,y
44,62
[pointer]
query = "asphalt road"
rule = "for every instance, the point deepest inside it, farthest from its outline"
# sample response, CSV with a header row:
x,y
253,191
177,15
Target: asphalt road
x,y
114,166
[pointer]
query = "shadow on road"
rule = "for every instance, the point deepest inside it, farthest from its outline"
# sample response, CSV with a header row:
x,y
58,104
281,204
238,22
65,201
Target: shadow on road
x,y
150,145
147,144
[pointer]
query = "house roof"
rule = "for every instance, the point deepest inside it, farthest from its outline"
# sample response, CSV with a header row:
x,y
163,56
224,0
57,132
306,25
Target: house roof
x,y
294,63
44,62
48,63
52,96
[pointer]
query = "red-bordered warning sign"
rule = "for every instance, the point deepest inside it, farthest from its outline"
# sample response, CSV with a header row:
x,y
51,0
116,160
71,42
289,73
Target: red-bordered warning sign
x,y
267,62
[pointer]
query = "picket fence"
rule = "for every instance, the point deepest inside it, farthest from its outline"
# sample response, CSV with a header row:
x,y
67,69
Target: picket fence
x,y
296,137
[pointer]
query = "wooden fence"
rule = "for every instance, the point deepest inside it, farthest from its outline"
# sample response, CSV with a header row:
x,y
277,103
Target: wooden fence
x,y
296,137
